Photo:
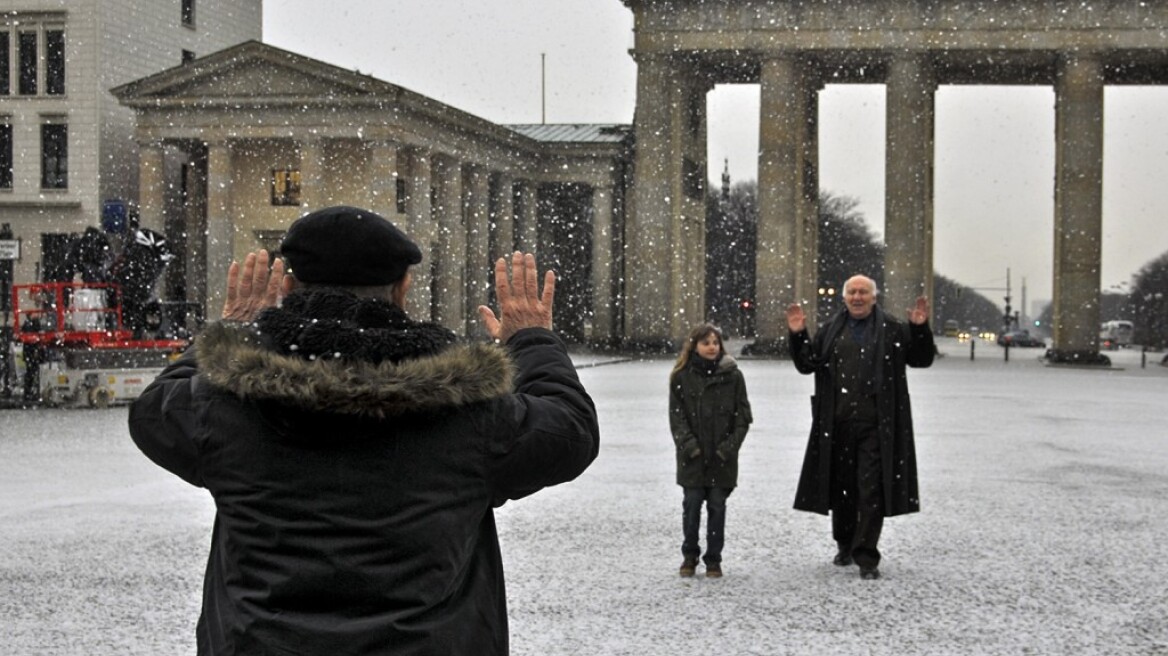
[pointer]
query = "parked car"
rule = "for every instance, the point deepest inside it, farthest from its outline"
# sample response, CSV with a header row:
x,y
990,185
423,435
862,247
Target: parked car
x,y
1021,338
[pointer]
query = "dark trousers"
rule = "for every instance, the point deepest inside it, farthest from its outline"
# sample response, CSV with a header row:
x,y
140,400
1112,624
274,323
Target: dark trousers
x,y
857,488
691,520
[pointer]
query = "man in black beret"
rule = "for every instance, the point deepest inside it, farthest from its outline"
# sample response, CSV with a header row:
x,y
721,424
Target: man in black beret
x,y
355,456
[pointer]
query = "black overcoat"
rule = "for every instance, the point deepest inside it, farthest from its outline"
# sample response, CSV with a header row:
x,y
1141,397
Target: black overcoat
x,y
710,412
899,344
354,501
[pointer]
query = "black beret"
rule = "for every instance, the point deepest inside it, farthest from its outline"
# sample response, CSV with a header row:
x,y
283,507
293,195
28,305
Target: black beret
x,y
347,246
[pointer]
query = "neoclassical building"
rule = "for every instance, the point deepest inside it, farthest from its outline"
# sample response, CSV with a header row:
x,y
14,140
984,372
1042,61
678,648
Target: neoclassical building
x,y
791,49
236,145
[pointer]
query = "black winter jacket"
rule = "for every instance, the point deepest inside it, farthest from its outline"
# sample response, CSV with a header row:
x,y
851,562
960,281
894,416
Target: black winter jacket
x,y
898,345
354,497
709,413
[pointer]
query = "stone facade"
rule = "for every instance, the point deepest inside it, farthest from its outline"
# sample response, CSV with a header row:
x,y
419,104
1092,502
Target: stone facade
x,y
107,43
791,49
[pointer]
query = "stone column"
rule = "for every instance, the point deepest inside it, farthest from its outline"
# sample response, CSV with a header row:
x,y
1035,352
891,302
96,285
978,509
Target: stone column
x,y
529,218
908,222
220,227
313,195
807,211
450,261
783,182
478,256
687,206
503,217
650,284
383,180
602,300
421,228
151,186
195,216
1078,208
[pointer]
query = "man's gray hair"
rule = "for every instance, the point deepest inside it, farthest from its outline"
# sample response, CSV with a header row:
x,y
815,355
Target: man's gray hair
x,y
860,276
383,292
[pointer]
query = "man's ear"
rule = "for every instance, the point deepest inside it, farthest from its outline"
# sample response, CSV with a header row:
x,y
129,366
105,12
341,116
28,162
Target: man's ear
x,y
400,289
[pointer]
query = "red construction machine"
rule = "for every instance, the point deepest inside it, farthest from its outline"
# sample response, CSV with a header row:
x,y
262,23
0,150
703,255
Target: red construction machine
x,y
95,342
73,335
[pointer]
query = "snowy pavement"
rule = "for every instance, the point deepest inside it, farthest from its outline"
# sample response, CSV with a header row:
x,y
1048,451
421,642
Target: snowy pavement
x,y
1043,530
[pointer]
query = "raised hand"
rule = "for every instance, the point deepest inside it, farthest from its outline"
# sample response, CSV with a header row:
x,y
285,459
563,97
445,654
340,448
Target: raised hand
x,y
796,319
520,303
919,314
256,289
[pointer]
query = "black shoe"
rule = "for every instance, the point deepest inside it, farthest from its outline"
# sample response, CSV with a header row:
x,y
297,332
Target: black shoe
x,y
869,573
842,559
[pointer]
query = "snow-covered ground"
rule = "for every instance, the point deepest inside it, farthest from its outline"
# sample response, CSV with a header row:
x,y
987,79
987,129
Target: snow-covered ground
x,y
1044,528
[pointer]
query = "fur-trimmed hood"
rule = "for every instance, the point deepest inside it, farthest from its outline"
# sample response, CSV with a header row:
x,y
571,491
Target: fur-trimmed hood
x,y
242,359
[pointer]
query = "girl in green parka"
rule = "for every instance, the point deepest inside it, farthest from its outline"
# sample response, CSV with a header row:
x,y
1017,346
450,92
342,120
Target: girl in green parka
x,y
709,415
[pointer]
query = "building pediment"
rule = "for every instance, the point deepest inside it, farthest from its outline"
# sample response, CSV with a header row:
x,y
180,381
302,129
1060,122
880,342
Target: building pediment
x,y
255,71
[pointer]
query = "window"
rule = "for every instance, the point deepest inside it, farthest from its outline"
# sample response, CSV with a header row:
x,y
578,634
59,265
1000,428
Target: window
x,y
33,57
5,154
692,179
188,13
28,63
54,62
188,56
54,156
285,186
5,60
402,195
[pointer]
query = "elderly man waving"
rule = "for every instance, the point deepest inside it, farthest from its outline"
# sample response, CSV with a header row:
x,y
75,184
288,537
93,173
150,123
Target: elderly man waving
x,y
860,462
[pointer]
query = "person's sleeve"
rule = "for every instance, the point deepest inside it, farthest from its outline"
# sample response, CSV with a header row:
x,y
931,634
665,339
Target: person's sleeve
x,y
921,347
799,346
683,436
742,420
162,420
551,433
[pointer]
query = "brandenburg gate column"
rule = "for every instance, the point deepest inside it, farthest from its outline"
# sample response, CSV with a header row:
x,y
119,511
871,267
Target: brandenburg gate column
x,y
313,196
503,219
151,186
220,227
528,228
1078,208
421,230
786,177
450,266
649,252
602,325
908,222
383,179
478,235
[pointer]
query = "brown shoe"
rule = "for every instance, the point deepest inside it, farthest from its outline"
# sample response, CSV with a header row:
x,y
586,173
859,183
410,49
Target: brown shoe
x,y
714,571
688,566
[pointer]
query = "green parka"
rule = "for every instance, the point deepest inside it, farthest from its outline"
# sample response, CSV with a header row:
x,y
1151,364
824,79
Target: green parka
x,y
710,413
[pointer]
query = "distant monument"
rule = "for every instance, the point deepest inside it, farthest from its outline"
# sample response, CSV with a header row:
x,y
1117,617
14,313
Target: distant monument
x,y
791,48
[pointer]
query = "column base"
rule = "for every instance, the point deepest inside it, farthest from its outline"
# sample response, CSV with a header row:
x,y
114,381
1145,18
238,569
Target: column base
x,y
649,345
1077,357
604,344
767,347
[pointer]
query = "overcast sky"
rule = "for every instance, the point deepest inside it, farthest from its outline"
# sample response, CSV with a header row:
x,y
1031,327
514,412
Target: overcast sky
x,y
995,145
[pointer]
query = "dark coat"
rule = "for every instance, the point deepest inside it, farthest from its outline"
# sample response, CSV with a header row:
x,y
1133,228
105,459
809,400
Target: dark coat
x,y
708,412
897,345
354,500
